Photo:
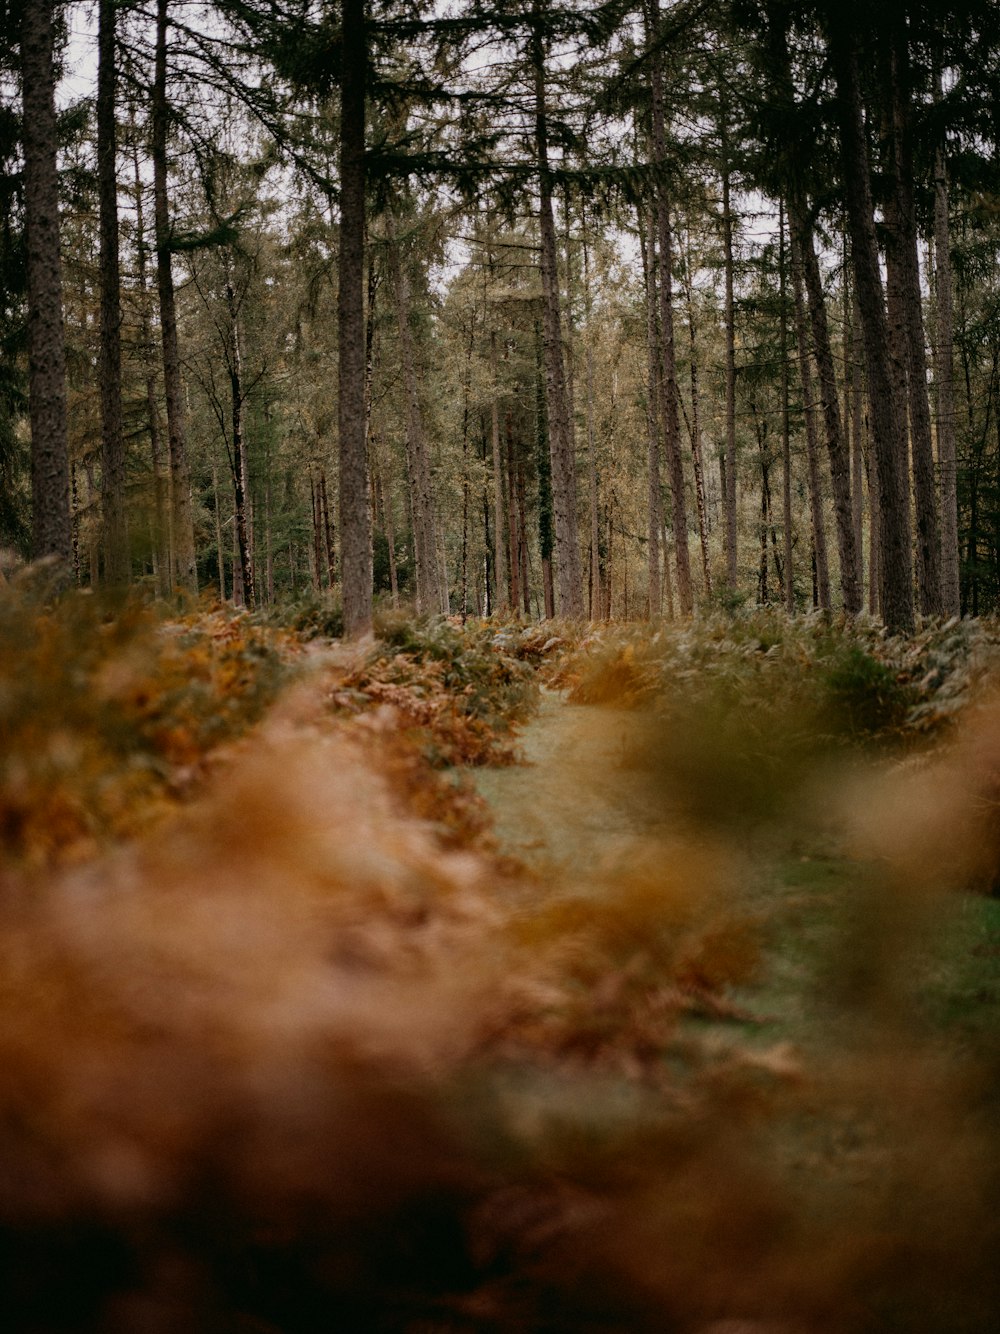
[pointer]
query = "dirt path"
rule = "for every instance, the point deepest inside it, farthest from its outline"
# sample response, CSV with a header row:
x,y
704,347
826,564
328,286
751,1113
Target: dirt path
x,y
579,802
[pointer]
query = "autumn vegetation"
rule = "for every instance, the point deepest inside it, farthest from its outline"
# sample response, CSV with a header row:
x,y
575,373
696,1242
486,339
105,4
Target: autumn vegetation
x,y
499,668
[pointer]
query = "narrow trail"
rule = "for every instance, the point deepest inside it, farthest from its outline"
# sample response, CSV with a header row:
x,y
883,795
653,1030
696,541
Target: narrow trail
x,y
581,801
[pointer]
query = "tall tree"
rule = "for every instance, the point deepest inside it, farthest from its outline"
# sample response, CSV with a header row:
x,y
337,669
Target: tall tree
x,y
842,24
903,251
569,580
430,595
182,525
355,512
944,384
662,276
51,530
116,553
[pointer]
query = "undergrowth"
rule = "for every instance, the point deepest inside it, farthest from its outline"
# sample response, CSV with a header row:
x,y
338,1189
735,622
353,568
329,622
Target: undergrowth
x,y
306,1055
109,712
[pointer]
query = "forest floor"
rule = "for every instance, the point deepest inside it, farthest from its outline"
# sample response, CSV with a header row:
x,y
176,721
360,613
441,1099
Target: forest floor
x,y
472,981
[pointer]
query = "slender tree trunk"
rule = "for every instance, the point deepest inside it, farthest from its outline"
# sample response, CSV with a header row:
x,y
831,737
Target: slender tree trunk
x,y
116,551
522,528
498,515
513,540
654,416
163,547
944,375
697,452
840,463
730,321
822,569
595,540
786,434
854,380
239,455
52,533
894,514
180,478
328,542
355,510
668,383
563,463
388,519
543,461
218,534
928,539
430,596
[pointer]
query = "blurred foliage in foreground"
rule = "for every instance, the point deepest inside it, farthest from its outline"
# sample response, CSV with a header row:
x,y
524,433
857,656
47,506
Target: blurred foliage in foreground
x,y
303,1054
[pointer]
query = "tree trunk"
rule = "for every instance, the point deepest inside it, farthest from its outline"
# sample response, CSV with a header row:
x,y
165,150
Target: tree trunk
x,y
697,452
840,464
543,463
595,541
944,376
894,514
786,442
185,569
162,545
727,240
668,366
239,454
498,515
822,569
430,597
654,504
355,509
218,534
116,551
52,533
928,540
563,463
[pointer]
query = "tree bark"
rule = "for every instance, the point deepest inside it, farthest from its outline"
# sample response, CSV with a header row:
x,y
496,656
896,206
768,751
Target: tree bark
x,y
162,544
498,515
51,526
944,376
668,365
430,597
595,539
894,515
116,550
185,569
563,464
697,452
786,443
822,567
928,539
239,454
355,505
840,463
727,239
654,504
543,464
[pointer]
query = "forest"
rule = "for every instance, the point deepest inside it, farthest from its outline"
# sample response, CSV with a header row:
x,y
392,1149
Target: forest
x,y
592,310
499,663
